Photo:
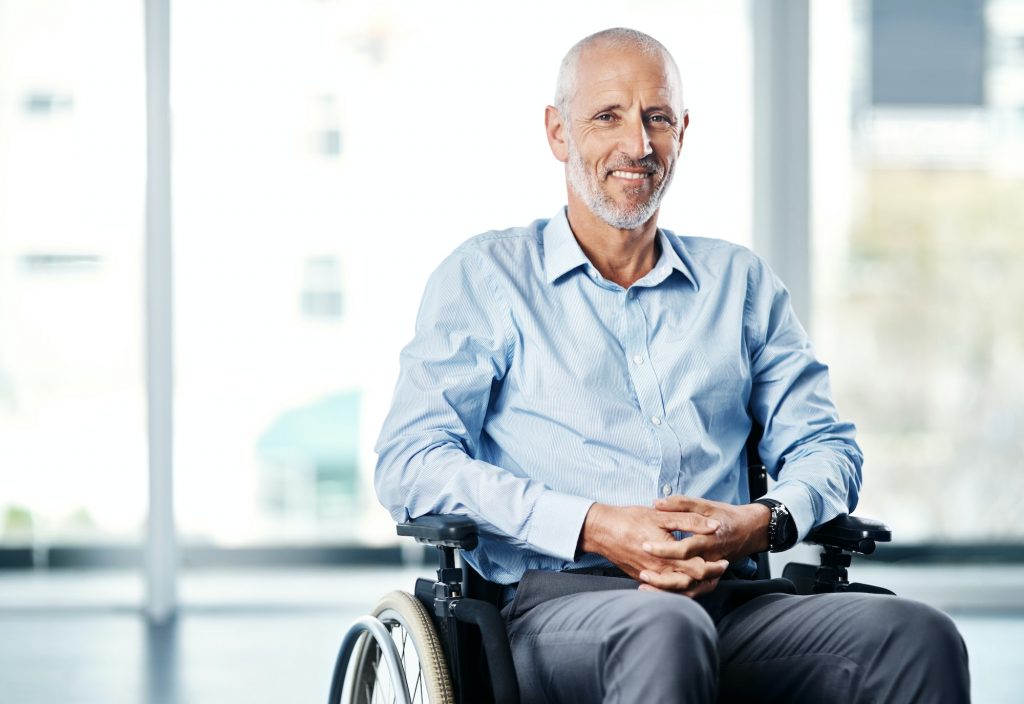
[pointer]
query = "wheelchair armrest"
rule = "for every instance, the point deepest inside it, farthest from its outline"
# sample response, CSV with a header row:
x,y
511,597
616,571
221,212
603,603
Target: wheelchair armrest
x,y
849,533
447,531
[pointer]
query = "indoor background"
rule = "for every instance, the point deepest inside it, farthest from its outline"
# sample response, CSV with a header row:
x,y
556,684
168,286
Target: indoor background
x,y
217,218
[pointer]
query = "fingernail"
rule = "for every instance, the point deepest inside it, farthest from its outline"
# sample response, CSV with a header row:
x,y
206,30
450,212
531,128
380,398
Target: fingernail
x,y
712,523
645,575
646,547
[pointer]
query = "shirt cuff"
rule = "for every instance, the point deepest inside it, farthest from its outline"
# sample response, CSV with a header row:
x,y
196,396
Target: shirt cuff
x,y
795,497
556,522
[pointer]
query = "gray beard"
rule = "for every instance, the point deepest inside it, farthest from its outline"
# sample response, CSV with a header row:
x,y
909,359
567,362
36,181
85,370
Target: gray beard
x,y
585,185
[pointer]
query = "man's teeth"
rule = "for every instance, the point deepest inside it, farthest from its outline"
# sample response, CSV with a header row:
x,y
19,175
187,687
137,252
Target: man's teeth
x,y
630,174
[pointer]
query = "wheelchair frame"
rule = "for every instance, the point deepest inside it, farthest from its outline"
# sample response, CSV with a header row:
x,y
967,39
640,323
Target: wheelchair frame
x,y
464,608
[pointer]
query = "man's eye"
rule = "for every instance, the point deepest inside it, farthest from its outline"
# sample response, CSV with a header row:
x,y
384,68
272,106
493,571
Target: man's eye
x,y
659,118
604,117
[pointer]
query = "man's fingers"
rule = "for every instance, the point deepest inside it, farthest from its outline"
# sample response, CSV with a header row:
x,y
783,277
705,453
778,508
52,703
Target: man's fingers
x,y
668,581
686,522
680,549
672,549
682,503
695,568
700,582
701,588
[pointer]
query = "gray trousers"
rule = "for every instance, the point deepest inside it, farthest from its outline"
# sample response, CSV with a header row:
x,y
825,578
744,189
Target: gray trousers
x,y
633,647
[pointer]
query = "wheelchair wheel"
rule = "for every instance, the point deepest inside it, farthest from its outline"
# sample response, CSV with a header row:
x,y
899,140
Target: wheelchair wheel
x,y
420,651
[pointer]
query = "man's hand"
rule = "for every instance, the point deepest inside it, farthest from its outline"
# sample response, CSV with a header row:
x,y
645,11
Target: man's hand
x,y
742,530
620,533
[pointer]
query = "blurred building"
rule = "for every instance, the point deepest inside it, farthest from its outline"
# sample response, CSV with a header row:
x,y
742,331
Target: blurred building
x,y
327,154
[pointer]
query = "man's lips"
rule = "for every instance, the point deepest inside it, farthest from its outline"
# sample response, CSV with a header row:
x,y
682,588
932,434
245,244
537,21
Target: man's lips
x,y
631,175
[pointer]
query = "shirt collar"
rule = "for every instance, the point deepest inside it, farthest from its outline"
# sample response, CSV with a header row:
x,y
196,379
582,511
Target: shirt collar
x,y
562,253
670,259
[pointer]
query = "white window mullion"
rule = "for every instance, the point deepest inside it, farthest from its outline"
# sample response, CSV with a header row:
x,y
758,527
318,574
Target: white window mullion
x,y
161,545
782,187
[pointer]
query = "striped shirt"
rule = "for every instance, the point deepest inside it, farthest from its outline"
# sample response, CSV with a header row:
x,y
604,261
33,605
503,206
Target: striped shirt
x,y
534,387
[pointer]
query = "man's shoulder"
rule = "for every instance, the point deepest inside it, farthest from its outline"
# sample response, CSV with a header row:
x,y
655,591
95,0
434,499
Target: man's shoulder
x,y
512,239
713,253
515,251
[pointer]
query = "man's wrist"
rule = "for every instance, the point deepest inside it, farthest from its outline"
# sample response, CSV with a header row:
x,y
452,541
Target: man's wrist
x,y
591,526
758,532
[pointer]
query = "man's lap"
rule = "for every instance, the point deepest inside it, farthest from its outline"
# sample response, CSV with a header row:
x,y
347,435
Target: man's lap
x,y
610,646
775,647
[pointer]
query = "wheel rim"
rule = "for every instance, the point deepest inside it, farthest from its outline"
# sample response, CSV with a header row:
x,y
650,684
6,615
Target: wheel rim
x,y
373,683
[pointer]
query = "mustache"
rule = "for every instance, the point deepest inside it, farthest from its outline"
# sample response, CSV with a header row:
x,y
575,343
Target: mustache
x,y
647,163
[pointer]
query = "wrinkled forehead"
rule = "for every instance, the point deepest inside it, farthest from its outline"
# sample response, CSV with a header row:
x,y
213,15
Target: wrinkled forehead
x,y
620,75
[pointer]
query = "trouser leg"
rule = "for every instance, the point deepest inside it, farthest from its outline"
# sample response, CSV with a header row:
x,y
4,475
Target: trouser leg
x,y
615,646
848,647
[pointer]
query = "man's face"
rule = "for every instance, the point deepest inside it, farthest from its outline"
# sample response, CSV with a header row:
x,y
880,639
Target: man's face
x,y
623,135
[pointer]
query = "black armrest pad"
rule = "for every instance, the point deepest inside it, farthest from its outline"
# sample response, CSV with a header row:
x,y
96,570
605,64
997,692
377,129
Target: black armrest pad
x,y
450,531
851,533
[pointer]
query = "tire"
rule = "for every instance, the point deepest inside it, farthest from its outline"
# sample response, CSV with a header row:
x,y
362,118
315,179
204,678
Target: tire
x,y
419,648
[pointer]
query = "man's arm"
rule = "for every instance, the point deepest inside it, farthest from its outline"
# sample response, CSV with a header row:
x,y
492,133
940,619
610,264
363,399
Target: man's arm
x,y
431,438
812,455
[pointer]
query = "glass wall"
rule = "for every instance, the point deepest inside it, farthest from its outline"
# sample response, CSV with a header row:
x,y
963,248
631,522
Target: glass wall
x,y
72,170
918,131
327,156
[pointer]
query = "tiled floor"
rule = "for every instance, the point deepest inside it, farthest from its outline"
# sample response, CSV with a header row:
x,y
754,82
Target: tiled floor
x,y
271,636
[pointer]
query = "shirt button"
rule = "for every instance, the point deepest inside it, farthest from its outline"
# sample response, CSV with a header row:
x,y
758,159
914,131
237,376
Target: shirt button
x,y
631,294
656,420
666,490
638,359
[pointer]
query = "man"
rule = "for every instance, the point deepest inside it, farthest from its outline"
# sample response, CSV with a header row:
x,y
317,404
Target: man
x,y
584,388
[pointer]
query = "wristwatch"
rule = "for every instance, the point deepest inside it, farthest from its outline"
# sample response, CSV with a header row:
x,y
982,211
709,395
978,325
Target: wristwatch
x,y
781,526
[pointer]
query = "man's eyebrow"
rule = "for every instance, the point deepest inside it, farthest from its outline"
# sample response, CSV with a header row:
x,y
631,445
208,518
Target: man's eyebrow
x,y
606,108
662,108
667,109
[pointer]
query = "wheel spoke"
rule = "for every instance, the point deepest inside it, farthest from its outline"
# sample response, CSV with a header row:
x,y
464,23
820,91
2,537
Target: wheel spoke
x,y
381,688
376,684
419,685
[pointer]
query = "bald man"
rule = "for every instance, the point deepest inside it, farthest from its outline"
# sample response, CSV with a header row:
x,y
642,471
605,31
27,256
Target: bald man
x,y
584,388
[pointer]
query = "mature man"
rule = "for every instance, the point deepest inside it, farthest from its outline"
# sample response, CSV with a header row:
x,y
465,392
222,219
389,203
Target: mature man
x,y
584,387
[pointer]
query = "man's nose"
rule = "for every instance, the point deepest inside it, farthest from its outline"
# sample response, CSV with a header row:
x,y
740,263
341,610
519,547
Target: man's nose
x,y
636,142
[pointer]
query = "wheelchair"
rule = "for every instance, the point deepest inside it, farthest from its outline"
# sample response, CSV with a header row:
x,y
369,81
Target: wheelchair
x,y
446,643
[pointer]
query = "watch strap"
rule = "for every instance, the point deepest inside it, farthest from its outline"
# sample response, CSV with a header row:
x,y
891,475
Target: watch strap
x,y
781,526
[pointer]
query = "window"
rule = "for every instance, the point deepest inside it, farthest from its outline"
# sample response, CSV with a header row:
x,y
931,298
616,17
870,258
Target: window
x,y
321,292
72,150
918,258
323,168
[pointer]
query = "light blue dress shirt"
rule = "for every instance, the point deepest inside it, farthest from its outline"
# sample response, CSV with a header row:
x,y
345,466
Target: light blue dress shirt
x,y
534,387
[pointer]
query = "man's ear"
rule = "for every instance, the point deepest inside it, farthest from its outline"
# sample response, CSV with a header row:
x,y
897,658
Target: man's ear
x,y
555,127
686,123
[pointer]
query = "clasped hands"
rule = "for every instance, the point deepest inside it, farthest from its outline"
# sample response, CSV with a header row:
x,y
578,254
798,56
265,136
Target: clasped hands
x,y
640,540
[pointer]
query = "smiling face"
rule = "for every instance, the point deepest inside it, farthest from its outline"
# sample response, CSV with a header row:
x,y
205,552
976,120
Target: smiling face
x,y
622,136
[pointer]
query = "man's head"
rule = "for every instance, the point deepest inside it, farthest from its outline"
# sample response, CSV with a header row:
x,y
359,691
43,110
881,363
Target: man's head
x,y
617,123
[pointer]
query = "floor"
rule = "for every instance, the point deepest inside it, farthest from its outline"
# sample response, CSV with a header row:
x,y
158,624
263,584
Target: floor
x,y
270,636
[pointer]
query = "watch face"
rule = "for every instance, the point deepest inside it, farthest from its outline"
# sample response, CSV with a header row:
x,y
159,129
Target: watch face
x,y
785,533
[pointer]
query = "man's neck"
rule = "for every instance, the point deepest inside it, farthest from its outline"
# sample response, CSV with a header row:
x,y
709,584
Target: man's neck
x,y
622,256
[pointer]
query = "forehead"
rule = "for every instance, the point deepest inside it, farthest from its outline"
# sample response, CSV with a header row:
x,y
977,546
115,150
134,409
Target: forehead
x,y
617,75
